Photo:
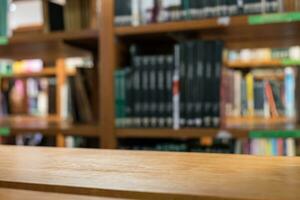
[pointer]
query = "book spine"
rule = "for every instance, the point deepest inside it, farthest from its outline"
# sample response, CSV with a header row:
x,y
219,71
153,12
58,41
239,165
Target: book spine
x,y
129,98
199,85
271,100
135,9
176,87
144,91
154,93
137,91
161,107
218,49
117,99
208,89
169,91
189,106
250,94
289,97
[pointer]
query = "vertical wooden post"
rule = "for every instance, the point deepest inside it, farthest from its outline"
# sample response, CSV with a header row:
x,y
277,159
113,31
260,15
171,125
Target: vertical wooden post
x,y
60,82
107,67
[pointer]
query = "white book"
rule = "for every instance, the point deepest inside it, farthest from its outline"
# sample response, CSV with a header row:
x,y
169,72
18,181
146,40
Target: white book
x,y
237,93
290,147
135,6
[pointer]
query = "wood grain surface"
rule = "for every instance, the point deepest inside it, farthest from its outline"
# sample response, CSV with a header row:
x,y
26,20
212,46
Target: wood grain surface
x,y
12,194
150,175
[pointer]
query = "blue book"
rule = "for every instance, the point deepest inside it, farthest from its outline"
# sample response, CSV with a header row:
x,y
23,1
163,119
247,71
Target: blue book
x,y
289,85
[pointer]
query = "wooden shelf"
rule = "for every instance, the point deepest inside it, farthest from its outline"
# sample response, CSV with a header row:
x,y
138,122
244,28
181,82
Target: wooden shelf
x,y
54,36
254,64
46,126
46,72
176,134
180,26
238,127
50,46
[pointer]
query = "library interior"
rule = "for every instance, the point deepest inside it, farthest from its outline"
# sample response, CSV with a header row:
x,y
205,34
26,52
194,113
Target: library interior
x,y
149,99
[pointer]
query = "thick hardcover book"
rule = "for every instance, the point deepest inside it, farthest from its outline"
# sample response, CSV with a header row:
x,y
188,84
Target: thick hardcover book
x,y
169,74
137,91
129,108
146,91
123,13
189,104
208,84
56,16
161,107
154,92
216,77
199,84
182,82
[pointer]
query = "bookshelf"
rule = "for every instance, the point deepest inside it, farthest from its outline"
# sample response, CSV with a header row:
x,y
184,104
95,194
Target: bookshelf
x,y
39,41
237,32
108,43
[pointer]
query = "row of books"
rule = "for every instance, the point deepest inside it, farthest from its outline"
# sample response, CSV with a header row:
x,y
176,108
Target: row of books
x,y
10,67
268,147
179,90
136,12
33,96
258,147
263,54
3,18
144,92
214,145
260,93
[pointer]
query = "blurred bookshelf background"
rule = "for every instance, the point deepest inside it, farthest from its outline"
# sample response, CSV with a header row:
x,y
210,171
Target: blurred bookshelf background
x,y
169,75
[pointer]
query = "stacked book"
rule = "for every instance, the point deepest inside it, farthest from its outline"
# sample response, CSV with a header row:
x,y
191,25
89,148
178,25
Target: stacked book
x,y
137,12
179,90
287,55
261,93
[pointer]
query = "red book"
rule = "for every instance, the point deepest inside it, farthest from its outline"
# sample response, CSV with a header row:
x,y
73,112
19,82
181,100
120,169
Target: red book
x,y
270,97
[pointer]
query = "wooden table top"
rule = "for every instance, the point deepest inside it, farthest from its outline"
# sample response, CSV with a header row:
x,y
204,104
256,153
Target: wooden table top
x,y
13,194
150,175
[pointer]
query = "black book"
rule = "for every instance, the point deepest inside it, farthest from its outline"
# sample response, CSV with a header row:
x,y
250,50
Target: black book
x,y
161,107
259,97
154,92
232,7
240,4
56,16
145,90
182,83
199,84
52,96
216,81
189,105
129,99
208,92
137,91
169,70
123,13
